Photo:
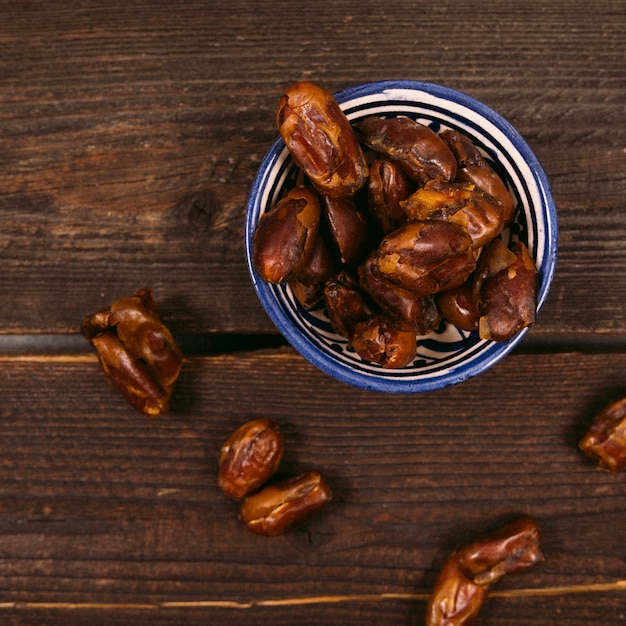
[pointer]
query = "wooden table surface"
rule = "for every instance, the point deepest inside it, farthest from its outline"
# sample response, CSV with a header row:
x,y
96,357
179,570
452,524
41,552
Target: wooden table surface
x,y
129,137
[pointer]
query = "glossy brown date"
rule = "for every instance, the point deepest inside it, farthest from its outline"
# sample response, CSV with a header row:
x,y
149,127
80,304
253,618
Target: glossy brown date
x,y
136,351
321,140
471,570
307,285
426,257
459,203
421,153
348,227
455,600
250,457
506,550
605,441
130,376
508,290
473,167
283,505
398,303
285,236
460,306
345,303
321,262
389,343
387,187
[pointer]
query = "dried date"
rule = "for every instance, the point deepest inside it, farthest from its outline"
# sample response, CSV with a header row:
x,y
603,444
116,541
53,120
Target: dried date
x,y
421,153
283,505
472,569
473,167
400,304
459,203
387,188
348,227
345,303
460,305
249,457
508,290
285,236
426,257
136,351
321,140
389,343
605,441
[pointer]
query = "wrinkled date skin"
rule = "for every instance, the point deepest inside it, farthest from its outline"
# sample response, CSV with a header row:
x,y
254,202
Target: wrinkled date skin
x,y
459,203
460,306
472,167
345,304
307,296
283,505
471,570
321,263
455,600
387,187
390,343
308,284
250,457
426,257
321,140
605,441
508,290
499,298
136,351
421,312
285,236
347,226
421,153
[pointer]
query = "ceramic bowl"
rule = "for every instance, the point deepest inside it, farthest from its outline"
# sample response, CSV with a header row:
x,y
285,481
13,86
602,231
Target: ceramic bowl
x,y
449,355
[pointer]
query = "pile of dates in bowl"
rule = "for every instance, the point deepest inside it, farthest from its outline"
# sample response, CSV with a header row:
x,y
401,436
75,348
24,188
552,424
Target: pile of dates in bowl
x,y
401,235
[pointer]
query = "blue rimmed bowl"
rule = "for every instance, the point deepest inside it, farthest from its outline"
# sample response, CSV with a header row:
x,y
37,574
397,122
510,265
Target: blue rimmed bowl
x,y
449,355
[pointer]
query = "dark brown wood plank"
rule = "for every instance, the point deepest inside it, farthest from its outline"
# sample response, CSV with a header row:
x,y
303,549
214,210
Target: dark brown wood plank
x,y
129,136
575,610
120,517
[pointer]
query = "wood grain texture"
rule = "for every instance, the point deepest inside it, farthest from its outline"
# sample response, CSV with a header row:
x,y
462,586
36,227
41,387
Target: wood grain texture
x,y
101,506
130,134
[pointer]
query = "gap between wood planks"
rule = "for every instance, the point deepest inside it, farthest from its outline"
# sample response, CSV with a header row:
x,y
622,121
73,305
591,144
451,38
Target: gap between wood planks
x,y
63,344
618,585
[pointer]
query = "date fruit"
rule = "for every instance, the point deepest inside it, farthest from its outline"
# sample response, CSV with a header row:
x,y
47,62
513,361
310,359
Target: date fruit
x,y
421,153
398,303
345,303
387,187
460,306
473,167
390,343
605,441
136,351
285,236
321,140
347,226
508,290
283,505
472,569
462,204
426,257
250,457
